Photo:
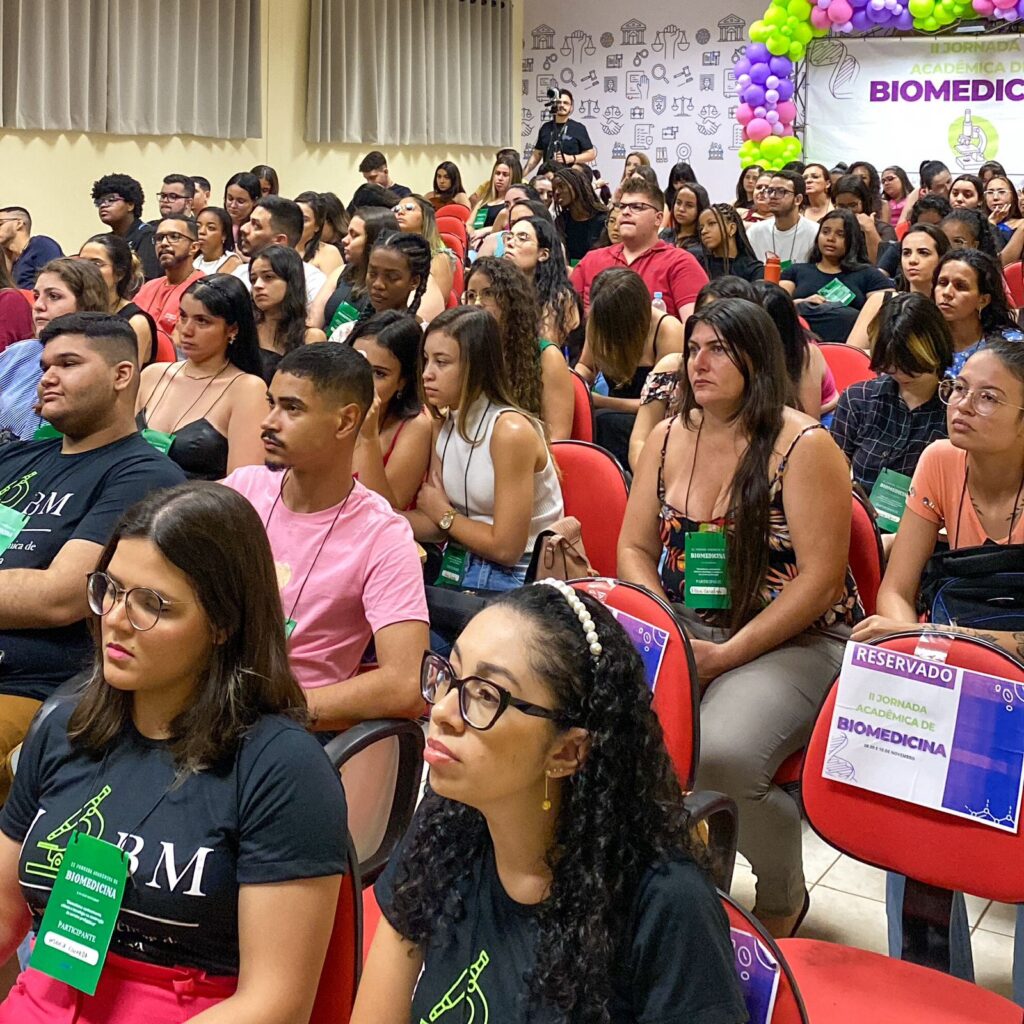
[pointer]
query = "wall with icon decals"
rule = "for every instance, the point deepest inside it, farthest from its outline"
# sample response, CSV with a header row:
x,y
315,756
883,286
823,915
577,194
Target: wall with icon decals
x,y
660,81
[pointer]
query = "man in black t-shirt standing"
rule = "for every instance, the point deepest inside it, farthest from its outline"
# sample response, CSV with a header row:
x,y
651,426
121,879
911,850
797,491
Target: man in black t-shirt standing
x,y
60,500
562,140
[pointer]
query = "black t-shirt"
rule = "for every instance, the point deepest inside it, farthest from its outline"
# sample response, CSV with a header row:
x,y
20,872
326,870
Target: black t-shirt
x,y
809,280
570,138
580,235
140,239
274,813
747,267
66,497
675,964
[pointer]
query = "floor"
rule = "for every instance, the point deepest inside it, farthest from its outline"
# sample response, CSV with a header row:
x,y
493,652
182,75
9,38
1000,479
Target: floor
x,y
848,906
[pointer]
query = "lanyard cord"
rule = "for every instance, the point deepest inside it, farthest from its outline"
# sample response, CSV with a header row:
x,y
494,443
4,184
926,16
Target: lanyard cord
x,y
1014,511
472,452
792,248
323,540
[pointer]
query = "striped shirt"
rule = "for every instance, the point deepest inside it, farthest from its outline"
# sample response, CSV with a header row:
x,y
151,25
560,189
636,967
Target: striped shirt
x,y
20,374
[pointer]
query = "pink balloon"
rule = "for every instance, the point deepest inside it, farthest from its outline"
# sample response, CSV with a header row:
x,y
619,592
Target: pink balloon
x,y
839,12
744,114
787,111
772,117
983,7
758,129
819,18
788,131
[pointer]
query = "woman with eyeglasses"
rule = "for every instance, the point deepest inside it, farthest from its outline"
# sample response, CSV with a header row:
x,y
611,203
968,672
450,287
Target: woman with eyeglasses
x,y
538,374
241,194
1003,205
493,486
970,294
416,216
550,864
448,189
896,186
187,749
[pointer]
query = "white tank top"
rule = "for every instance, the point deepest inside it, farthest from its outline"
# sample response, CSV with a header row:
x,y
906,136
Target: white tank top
x,y
467,471
209,267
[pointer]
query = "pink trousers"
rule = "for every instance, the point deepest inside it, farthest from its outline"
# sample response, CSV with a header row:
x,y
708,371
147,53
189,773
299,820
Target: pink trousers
x,y
129,992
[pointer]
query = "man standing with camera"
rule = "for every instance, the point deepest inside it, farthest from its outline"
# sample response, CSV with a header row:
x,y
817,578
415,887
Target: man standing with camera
x,y
561,139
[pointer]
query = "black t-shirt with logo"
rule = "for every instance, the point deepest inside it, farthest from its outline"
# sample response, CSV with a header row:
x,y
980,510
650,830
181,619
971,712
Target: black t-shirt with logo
x,y
675,964
570,138
66,497
275,812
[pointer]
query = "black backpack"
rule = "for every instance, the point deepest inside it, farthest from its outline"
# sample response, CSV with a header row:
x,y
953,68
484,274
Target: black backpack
x,y
979,587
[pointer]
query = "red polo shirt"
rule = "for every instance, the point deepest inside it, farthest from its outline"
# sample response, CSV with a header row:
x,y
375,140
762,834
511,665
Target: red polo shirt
x,y
663,267
161,300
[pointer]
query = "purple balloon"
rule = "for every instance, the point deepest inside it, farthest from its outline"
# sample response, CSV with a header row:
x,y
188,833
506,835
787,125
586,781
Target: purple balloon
x,y
759,73
757,53
857,4
785,89
772,116
905,21
760,112
743,81
754,96
771,97
878,17
861,21
741,67
781,66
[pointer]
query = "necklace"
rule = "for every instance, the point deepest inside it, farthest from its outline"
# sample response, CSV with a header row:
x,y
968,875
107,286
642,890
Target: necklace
x,y
192,376
1015,509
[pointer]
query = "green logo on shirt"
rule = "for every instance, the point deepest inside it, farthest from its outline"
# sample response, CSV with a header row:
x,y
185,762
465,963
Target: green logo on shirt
x,y
16,491
466,989
87,819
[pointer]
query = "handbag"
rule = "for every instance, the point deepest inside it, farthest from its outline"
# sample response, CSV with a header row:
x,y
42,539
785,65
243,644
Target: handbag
x,y
979,587
558,553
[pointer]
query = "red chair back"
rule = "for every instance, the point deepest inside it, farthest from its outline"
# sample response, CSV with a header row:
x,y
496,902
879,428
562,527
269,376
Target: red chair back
x,y
594,491
454,227
676,693
754,945
936,848
582,410
1013,275
336,993
454,210
848,363
867,561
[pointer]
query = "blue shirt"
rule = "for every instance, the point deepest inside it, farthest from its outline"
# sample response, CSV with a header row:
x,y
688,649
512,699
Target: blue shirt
x,y
959,358
39,251
20,374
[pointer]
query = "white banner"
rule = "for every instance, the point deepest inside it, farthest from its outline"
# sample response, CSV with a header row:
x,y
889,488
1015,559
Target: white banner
x,y
900,101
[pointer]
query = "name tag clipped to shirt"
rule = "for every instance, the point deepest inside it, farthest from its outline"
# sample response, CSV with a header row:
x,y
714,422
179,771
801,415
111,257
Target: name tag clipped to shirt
x,y
289,628
160,440
707,568
75,933
836,291
889,498
453,566
12,522
46,432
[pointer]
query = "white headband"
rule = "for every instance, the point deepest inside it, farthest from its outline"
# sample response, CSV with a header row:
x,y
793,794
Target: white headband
x,y
581,613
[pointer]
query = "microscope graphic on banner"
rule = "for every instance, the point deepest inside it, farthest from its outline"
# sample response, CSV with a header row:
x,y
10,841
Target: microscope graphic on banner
x,y
976,141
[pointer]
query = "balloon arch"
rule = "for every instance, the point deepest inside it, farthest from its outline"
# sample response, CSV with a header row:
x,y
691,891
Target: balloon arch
x,y
765,74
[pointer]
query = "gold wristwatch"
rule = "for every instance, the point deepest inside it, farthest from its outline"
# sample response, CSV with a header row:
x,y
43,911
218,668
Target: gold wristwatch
x,y
445,522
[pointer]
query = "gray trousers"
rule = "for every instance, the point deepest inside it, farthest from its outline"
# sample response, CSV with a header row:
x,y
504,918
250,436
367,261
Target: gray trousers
x,y
751,719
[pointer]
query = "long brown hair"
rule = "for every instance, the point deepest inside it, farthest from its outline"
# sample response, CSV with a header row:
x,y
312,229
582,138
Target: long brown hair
x,y
754,347
83,280
214,536
619,322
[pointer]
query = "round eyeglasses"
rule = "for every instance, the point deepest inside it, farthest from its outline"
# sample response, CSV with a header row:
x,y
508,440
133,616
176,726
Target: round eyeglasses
x,y
481,702
985,401
142,606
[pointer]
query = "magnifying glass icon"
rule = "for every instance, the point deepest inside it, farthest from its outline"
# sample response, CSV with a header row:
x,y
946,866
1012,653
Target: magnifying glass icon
x,y
659,74
568,77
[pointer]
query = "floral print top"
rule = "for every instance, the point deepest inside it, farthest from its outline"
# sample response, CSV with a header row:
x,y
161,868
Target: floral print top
x,y
781,569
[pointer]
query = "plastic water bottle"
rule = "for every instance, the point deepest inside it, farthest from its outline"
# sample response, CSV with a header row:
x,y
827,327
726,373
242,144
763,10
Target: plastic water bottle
x,y
659,303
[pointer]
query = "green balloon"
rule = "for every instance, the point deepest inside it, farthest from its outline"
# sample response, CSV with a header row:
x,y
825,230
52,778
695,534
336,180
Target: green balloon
x,y
759,32
797,50
921,8
802,34
799,9
777,44
775,15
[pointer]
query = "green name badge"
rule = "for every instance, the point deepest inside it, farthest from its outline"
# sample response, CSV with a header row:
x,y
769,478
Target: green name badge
x,y
481,218
46,432
453,566
12,522
81,913
158,439
889,498
785,264
836,291
289,628
707,575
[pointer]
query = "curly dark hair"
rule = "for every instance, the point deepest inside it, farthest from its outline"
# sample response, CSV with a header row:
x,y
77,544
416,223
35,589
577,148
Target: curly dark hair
x,y
520,321
996,316
123,185
621,813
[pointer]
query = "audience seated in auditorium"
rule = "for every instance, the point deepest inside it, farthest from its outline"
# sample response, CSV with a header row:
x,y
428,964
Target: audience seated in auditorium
x,y
15,309
724,246
177,243
374,168
278,290
733,467
505,173
216,242
682,229
579,214
393,450
241,194
346,562
267,177
312,248
817,192
64,286
189,743
175,197
398,276
118,199
493,486
930,211
785,231
968,229
493,244
447,189
26,253
416,216
68,492
538,374
201,199
851,193
205,411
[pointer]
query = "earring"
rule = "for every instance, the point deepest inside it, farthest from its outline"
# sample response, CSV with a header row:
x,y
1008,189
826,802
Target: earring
x,y
546,805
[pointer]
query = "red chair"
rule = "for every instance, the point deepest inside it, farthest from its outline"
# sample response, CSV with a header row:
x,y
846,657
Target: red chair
x,y
936,851
1013,275
455,243
848,363
582,410
789,1007
594,491
454,227
453,210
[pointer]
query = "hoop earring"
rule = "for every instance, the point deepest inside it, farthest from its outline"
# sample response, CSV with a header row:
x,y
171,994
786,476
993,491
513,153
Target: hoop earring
x,y
546,804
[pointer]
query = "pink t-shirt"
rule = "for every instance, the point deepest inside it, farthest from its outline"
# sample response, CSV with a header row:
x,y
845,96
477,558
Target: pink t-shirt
x,y
367,577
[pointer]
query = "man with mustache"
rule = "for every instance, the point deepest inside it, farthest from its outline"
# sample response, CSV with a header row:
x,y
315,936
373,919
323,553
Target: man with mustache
x,y
347,564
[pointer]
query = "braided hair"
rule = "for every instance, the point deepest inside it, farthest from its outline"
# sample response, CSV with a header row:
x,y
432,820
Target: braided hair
x,y
416,250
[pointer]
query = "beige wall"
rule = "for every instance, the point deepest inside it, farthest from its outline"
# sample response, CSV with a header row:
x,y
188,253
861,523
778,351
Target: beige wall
x,y
51,172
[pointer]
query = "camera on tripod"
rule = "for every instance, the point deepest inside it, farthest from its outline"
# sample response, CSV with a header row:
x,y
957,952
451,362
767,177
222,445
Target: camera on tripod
x,y
551,103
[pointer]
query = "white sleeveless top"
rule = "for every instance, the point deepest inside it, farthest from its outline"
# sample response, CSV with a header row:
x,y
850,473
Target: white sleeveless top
x,y
211,266
467,472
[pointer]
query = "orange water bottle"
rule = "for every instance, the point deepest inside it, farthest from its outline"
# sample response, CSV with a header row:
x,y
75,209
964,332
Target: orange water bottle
x,y
772,268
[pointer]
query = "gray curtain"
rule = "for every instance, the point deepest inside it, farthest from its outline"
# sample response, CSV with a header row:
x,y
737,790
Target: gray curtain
x,y
131,67
410,72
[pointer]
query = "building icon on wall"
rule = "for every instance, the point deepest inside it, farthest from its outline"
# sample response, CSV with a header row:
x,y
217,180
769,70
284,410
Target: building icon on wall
x,y
633,33
543,37
730,29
